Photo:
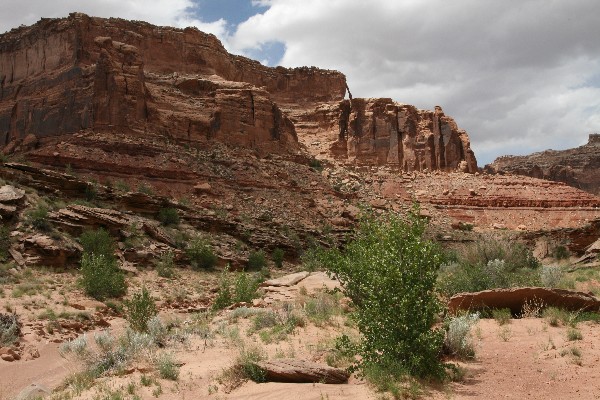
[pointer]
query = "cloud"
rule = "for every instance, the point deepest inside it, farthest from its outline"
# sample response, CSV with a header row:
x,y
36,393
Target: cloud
x,y
518,75
177,13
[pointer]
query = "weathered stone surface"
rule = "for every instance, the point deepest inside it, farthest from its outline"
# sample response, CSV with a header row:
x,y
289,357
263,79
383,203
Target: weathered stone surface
x,y
144,78
300,371
381,131
515,298
287,280
578,167
10,194
43,250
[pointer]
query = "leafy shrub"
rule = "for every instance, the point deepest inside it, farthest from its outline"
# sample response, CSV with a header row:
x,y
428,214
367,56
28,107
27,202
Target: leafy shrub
x,y
561,253
459,341
244,288
278,256
165,266
168,216
101,277
389,272
10,329
97,242
167,368
257,260
201,254
315,164
38,218
139,310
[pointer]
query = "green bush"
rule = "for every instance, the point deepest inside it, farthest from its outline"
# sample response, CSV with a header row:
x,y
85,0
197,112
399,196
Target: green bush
x,y
502,315
244,288
97,242
201,254
278,256
139,310
167,368
165,265
38,218
168,216
389,272
4,242
561,253
487,265
257,260
101,277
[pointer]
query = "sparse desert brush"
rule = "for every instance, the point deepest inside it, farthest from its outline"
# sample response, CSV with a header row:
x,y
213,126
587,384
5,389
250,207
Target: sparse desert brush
x,y
459,340
140,310
165,265
244,368
168,216
167,367
101,277
489,264
502,316
278,256
201,254
551,276
4,242
10,329
321,308
236,288
38,218
574,334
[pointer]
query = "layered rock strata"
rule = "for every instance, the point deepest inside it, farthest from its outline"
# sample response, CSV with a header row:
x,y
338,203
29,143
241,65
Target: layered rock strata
x,y
578,167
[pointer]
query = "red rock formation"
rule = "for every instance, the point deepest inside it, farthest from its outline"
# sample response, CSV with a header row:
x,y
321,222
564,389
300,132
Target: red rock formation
x,y
64,75
578,167
381,131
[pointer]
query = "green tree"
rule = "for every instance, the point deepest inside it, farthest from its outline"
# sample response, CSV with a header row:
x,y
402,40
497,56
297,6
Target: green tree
x,y
389,272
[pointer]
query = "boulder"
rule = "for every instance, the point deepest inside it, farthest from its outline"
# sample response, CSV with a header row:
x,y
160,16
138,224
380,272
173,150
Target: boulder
x,y
11,195
300,371
515,298
287,280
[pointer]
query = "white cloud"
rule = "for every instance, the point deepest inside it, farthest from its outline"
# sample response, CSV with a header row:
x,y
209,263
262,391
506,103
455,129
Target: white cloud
x,y
513,73
177,13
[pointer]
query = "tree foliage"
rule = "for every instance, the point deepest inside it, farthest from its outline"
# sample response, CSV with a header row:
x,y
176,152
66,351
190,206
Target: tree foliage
x,y
389,272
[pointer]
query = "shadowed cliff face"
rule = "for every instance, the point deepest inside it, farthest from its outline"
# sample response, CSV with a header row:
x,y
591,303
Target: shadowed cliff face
x,y
578,167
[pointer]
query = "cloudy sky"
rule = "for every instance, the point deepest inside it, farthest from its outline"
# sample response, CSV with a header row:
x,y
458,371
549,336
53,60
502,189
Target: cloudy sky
x,y
519,75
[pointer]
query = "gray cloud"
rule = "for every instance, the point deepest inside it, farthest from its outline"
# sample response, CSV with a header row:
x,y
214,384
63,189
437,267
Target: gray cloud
x,y
519,76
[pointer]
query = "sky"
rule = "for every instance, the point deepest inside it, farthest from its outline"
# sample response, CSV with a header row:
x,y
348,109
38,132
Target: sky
x,y
519,76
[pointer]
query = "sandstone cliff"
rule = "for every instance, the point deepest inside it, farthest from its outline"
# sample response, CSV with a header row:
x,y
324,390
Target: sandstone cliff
x,y
62,76
578,167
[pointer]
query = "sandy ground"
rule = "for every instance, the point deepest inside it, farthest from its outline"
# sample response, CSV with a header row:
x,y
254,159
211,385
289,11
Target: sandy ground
x,y
527,358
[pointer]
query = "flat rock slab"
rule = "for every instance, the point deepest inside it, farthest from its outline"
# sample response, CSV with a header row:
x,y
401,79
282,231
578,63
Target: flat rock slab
x,y
287,280
10,194
300,371
515,298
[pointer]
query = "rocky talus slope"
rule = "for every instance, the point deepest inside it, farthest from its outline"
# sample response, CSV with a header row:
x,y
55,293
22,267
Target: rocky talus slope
x,y
578,167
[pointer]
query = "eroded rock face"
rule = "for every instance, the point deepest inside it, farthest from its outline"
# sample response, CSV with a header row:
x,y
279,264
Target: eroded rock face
x,y
381,131
578,167
64,75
